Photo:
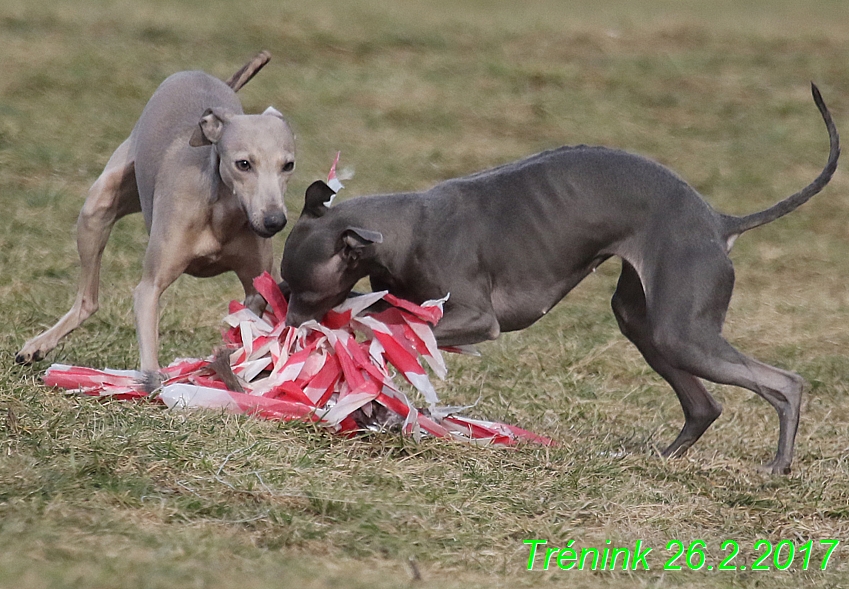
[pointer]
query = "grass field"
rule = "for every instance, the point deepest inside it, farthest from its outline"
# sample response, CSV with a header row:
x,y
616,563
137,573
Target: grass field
x,y
111,494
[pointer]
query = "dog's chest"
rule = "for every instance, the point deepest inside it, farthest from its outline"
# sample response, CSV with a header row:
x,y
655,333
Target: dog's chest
x,y
206,266
208,255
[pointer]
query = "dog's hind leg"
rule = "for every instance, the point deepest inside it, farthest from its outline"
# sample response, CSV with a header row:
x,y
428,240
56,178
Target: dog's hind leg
x,y
700,408
688,295
113,195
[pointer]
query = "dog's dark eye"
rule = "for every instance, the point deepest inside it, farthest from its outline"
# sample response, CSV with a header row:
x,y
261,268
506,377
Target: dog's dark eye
x,y
243,165
288,166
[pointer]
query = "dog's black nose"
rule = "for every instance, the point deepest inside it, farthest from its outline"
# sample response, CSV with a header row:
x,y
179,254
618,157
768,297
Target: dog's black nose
x,y
274,222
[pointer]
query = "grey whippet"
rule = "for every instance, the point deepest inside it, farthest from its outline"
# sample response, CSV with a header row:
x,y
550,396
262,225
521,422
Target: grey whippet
x,y
209,181
509,243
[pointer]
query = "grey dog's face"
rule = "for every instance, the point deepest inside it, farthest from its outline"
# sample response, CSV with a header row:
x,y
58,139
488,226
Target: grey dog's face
x,y
316,272
256,160
324,257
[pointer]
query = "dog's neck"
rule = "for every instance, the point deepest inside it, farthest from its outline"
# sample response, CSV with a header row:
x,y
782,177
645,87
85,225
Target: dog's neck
x,y
219,190
388,263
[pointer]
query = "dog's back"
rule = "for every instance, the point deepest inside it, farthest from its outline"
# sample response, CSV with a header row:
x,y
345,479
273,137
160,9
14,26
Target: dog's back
x,y
168,121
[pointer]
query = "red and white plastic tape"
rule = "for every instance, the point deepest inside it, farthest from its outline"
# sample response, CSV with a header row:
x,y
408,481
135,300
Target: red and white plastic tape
x,y
338,373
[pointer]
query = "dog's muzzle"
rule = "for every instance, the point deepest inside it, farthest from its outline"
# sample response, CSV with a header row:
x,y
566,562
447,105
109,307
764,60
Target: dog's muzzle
x,y
274,222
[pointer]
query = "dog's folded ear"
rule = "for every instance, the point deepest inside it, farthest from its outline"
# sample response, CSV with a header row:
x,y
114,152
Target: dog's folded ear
x,y
317,199
210,127
273,112
356,242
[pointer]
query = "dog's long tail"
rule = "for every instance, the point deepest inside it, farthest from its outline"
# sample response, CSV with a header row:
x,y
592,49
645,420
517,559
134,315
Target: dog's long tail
x,y
734,226
248,71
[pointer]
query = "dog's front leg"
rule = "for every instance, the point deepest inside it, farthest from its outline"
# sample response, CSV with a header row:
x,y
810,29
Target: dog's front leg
x,y
249,255
464,325
164,262
146,307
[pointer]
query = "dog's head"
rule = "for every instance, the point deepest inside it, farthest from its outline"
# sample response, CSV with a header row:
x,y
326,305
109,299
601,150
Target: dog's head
x,y
324,257
256,158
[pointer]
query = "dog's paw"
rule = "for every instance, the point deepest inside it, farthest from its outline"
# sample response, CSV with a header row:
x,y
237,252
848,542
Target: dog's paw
x,y
26,357
151,381
775,467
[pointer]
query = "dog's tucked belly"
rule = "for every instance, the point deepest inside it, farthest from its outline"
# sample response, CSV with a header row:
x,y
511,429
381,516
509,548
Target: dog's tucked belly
x,y
518,306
